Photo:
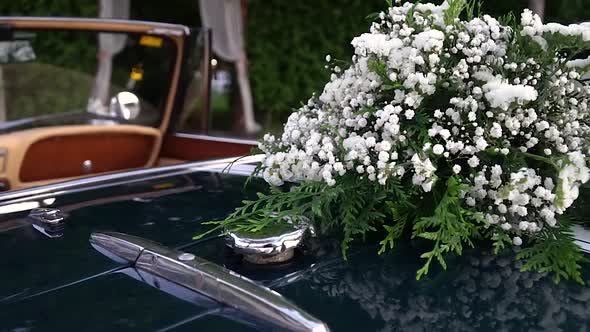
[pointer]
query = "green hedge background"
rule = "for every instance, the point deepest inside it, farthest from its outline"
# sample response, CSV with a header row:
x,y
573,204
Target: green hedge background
x,y
287,40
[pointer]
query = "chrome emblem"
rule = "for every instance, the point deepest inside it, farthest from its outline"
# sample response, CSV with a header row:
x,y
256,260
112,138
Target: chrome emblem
x,y
48,221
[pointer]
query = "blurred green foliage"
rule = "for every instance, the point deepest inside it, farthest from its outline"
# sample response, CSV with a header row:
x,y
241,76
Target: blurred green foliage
x,y
34,89
287,41
567,11
84,8
70,50
61,78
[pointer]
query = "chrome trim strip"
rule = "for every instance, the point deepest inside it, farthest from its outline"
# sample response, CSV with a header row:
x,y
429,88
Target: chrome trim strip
x,y
211,306
166,32
121,248
582,237
217,139
211,280
169,26
243,166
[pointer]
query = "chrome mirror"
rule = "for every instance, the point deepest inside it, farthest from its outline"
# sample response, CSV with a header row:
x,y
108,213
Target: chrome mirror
x,y
125,105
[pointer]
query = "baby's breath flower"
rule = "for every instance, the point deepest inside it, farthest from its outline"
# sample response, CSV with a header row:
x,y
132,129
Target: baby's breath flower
x,y
419,100
438,149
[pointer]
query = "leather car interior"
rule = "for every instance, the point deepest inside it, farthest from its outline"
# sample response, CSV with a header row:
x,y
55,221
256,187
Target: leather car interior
x,y
44,155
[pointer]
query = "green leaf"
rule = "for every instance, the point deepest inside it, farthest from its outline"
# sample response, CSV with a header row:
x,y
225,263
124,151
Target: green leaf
x,y
441,261
372,17
400,216
473,9
553,250
500,242
410,15
379,67
455,9
429,235
366,109
393,233
449,228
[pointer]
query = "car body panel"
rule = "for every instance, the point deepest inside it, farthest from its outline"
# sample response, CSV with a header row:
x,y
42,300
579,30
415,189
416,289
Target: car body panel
x,y
42,270
63,283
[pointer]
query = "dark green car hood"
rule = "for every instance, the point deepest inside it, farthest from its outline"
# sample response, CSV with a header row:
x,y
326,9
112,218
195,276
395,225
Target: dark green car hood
x,y
64,284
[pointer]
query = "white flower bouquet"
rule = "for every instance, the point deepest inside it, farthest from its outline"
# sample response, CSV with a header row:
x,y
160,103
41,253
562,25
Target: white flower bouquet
x,y
450,130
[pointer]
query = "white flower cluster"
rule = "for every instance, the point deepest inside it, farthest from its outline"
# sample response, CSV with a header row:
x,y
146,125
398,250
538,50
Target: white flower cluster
x,y
424,100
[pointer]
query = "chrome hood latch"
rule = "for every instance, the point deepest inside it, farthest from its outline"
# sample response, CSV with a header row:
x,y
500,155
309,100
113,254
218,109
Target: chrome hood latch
x,y
201,276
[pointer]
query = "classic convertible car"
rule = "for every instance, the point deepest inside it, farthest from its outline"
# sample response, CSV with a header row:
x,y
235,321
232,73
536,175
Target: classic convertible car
x,y
106,245
82,97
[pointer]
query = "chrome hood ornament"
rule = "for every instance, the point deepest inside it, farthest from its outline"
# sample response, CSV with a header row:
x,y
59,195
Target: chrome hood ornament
x,y
49,221
274,244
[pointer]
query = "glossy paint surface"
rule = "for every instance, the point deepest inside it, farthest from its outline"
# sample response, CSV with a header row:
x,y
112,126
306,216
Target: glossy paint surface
x,y
64,284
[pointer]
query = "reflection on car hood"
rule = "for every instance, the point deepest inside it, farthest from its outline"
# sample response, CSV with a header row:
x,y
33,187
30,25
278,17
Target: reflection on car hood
x,y
64,284
480,292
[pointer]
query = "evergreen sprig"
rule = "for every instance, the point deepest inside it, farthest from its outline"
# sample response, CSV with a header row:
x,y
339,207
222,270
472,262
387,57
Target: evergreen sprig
x,y
353,207
449,227
554,250
400,216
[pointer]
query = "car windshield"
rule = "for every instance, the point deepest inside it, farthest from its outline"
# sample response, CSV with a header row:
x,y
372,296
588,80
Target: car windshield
x,y
50,78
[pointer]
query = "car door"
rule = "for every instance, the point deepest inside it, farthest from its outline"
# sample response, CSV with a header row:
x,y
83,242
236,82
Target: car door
x,y
80,97
189,137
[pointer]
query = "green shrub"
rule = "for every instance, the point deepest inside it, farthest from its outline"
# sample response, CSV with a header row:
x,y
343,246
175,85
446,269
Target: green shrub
x,y
288,41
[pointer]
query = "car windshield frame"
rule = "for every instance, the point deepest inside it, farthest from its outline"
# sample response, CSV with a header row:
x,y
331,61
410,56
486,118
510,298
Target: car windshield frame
x,y
155,102
177,34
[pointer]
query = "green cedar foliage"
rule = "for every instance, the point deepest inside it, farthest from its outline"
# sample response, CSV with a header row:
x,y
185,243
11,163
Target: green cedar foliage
x,y
450,227
553,250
